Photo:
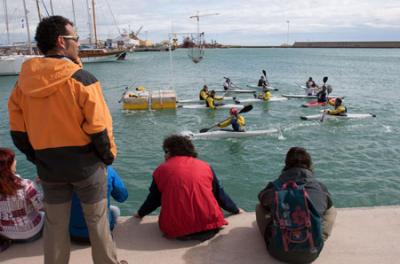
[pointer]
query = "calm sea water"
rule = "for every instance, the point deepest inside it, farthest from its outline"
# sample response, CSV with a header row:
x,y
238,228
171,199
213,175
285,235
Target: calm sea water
x,y
356,159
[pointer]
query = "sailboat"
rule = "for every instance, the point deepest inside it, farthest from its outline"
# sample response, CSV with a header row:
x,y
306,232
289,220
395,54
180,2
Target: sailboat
x,y
11,64
95,53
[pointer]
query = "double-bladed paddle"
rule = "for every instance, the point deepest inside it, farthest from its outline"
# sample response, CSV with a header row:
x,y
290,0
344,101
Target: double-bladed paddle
x,y
266,80
245,109
324,113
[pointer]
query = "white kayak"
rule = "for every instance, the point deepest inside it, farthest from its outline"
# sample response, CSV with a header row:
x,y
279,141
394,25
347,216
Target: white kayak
x,y
260,87
299,96
203,106
257,100
228,134
230,91
183,101
328,116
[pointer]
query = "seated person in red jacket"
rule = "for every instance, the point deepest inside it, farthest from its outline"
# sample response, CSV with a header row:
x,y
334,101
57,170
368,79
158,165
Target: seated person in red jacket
x,y
188,192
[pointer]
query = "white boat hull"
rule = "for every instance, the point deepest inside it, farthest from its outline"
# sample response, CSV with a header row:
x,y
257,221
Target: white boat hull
x,y
203,106
217,134
11,65
347,116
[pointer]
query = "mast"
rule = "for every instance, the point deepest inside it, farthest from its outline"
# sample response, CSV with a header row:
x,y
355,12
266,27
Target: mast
x,y
94,22
27,27
51,8
6,17
38,10
73,12
89,23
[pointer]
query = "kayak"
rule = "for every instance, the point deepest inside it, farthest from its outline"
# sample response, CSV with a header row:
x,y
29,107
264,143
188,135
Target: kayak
x,y
183,101
235,91
228,134
328,116
315,103
260,87
299,96
257,100
203,106
304,96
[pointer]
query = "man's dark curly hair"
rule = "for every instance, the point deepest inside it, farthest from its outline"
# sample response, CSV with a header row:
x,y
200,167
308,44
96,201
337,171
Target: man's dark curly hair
x,y
177,145
48,31
299,158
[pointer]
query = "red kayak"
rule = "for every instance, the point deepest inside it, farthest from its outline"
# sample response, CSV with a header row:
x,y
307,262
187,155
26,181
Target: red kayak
x,y
315,103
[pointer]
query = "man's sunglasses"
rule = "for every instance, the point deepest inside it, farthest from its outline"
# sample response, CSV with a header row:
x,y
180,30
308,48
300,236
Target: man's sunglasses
x,y
74,38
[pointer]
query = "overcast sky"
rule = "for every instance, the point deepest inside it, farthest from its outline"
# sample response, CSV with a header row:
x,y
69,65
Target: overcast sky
x,y
250,22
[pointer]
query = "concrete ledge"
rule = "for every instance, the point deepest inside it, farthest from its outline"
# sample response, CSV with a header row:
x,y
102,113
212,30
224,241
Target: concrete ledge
x,y
361,235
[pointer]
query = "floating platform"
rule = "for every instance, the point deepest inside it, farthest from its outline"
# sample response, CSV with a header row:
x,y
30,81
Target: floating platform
x,y
147,100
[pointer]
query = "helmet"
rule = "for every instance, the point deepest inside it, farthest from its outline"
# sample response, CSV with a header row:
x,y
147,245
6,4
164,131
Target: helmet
x,y
338,101
233,111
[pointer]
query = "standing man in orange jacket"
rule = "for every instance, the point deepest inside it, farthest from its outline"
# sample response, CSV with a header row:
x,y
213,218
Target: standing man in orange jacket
x,y
60,121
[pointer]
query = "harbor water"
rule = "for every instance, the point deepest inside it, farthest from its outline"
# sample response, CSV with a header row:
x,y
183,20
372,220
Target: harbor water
x,y
356,159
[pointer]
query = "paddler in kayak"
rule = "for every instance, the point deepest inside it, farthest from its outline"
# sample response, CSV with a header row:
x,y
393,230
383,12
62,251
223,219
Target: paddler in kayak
x,y
262,82
340,109
322,96
265,94
213,101
237,121
311,87
204,93
228,84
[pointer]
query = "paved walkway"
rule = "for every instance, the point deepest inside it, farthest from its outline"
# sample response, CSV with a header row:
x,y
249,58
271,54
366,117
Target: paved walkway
x,y
361,235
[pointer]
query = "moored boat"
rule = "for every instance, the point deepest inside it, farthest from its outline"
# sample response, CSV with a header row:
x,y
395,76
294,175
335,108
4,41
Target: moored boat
x,y
11,64
102,55
217,134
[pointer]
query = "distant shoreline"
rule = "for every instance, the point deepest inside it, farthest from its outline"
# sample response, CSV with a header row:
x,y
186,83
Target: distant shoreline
x,y
330,44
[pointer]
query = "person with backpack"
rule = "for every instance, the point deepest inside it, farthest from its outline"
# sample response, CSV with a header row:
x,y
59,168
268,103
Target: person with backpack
x,y
295,214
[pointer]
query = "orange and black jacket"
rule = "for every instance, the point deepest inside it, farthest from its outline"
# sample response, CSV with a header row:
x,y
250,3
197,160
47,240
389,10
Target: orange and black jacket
x,y
59,119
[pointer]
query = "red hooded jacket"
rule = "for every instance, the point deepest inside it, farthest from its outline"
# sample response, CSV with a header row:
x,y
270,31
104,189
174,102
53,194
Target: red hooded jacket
x,y
187,201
